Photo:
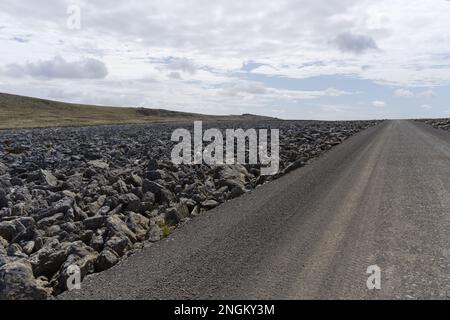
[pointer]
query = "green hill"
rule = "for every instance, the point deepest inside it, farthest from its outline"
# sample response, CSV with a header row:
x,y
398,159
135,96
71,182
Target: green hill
x,y
26,112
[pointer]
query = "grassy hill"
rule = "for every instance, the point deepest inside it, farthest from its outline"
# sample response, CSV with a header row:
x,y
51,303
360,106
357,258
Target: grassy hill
x,y
26,112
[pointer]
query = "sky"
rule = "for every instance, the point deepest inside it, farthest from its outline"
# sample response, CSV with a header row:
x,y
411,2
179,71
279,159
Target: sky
x,y
328,59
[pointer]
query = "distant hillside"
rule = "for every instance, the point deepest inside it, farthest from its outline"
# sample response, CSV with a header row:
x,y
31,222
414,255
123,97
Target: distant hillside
x,y
26,112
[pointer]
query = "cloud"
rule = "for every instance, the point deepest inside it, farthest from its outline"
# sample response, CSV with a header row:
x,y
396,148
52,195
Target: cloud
x,y
354,43
379,104
174,75
404,93
283,46
426,106
20,39
244,87
182,64
59,68
409,94
253,88
427,93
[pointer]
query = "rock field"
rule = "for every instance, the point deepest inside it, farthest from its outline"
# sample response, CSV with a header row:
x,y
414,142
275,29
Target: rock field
x,y
438,123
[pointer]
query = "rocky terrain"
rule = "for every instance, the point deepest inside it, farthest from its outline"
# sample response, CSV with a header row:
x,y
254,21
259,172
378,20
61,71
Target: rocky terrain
x,y
94,195
438,123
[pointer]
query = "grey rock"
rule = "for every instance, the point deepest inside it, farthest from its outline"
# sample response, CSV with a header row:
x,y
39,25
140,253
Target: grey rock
x,y
90,173
232,175
155,175
18,283
106,260
27,222
50,221
162,194
116,227
15,181
73,183
48,260
236,191
175,214
131,202
15,250
21,194
94,207
138,224
70,227
97,242
95,222
136,180
3,168
3,243
195,211
149,197
154,233
152,165
28,248
98,164
122,186
19,209
3,199
80,215
60,206
210,204
80,255
86,236
11,229
49,178
119,244
53,231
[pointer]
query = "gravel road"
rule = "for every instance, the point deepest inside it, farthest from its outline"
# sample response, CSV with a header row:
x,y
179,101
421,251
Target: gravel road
x,y
380,198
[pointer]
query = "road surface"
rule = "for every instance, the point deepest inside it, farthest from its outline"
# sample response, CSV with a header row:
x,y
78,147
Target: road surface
x,y
381,198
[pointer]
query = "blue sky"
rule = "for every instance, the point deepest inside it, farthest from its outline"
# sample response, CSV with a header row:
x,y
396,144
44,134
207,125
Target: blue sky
x,y
294,59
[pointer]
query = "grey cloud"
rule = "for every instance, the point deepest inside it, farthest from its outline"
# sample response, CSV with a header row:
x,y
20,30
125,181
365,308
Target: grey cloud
x,y
354,43
244,87
20,39
219,26
182,64
59,68
174,75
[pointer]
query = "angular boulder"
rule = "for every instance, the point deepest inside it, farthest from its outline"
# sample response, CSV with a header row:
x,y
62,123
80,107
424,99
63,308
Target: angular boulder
x,y
116,227
49,178
106,259
18,283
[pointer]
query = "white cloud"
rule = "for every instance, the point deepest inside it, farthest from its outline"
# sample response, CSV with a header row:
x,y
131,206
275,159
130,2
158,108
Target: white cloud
x,y
427,93
182,65
244,87
404,93
58,67
252,89
426,106
409,94
379,104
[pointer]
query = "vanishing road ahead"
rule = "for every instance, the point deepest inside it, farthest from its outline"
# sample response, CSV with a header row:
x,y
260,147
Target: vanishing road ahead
x,y
380,198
